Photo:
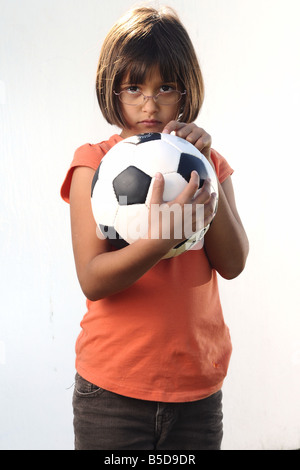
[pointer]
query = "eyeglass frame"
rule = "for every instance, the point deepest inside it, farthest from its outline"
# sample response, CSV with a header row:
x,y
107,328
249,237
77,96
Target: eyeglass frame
x,y
146,97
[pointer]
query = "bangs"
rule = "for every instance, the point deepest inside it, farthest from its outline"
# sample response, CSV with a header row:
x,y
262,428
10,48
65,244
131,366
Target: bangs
x,y
138,71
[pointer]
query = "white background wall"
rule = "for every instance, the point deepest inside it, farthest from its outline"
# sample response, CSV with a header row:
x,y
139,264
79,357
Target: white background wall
x,y
249,52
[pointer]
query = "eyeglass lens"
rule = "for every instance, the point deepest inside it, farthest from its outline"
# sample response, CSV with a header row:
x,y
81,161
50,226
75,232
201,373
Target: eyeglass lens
x,y
137,98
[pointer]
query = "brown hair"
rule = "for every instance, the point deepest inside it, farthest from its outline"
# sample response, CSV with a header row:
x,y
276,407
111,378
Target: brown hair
x,y
141,39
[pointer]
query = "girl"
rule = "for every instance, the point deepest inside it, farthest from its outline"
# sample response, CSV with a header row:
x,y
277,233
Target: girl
x,y
154,349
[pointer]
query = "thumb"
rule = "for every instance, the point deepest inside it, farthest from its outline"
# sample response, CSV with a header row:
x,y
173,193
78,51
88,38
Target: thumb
x,y
157,189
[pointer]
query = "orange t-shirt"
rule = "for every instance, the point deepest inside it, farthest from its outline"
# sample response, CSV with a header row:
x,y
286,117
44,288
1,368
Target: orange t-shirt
x,y
164,338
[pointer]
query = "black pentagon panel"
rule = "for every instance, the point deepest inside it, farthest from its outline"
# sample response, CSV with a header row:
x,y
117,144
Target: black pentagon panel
x,y
95,179
143,138
148,137
188,163
131,186
114,238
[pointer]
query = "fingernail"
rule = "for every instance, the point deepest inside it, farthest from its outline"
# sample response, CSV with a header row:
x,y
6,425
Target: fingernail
x,y
165,131
158,176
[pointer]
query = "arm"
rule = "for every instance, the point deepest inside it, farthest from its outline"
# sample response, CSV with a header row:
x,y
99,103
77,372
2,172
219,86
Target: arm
x,y
102,272
226,243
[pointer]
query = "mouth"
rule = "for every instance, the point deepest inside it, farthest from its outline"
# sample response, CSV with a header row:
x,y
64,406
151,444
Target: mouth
x,y
150,123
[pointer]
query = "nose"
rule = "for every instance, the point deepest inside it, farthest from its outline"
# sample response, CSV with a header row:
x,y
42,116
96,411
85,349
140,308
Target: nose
x,y
149,105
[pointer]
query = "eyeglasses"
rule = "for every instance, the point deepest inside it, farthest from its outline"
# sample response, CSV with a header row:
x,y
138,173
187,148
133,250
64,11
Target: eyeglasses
x,y
137,98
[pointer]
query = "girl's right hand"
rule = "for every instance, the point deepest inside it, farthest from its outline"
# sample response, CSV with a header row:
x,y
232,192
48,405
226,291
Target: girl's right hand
x,y
194,209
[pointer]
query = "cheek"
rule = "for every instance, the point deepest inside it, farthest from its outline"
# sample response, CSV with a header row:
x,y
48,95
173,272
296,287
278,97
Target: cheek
x,y
128,114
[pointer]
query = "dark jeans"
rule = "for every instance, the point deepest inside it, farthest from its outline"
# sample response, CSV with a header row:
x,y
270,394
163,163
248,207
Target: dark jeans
x,y
106,421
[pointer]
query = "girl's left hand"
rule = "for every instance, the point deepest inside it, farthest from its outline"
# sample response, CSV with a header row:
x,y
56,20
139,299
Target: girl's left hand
x,y
193,134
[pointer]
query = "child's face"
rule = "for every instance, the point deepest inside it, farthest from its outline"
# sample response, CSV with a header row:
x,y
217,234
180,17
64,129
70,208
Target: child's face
x,y
148,116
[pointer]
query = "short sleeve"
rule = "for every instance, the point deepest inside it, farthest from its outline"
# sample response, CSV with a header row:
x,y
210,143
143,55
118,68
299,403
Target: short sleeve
x,y
223,169
89,155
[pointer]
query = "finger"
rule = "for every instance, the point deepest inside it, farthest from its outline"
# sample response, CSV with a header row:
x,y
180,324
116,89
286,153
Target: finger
x,y
196,136
204,194
190,190
173,126
190,132
204,140
203,144
157,189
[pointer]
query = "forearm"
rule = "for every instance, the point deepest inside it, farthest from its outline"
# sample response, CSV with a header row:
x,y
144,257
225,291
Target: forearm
x,y
226,242
102,272
111,272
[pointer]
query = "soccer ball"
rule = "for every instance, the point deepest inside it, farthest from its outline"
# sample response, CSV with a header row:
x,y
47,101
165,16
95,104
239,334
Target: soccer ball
x,y
122,185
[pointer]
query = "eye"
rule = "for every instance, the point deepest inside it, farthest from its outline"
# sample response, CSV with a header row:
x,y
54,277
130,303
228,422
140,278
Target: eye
x,y
166,89
132,89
